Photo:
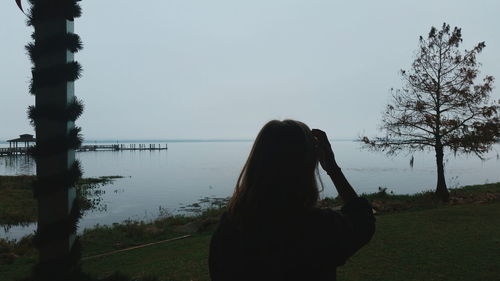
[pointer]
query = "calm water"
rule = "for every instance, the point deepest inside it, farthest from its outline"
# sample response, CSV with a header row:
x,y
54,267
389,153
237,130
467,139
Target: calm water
x,y
189,171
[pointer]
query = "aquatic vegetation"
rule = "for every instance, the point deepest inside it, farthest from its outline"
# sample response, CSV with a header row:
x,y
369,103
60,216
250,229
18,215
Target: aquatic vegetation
x,y
19,207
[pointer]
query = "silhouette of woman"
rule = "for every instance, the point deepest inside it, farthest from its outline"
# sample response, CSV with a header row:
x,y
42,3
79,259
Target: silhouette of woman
x,y
272,229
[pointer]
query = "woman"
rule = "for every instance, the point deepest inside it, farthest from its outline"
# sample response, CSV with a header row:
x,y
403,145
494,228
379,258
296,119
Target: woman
x,y
272,229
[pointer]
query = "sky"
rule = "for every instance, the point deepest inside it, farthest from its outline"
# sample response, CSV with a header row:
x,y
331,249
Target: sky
x,y
199,69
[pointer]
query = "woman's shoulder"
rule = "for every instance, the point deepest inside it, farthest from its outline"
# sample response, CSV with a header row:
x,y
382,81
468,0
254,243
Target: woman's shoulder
x,y
359,204
227,226
321,214
225,221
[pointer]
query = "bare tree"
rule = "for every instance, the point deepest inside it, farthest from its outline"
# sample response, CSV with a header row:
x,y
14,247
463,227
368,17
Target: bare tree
x,y
440,105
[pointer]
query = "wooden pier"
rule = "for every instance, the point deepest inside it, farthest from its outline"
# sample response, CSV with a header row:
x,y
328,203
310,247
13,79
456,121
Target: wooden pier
x,y
15,151
121,147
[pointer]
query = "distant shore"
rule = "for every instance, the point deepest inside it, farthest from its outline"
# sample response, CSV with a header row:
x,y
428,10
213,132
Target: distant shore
x,y
91,141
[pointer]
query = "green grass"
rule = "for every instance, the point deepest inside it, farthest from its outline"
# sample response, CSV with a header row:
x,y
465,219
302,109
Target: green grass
x,y
18,206
109,238
178,260
384,202
16,258
450,243
427,241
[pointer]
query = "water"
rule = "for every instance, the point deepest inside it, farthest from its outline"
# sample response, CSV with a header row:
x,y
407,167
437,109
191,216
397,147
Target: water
x,y
189,171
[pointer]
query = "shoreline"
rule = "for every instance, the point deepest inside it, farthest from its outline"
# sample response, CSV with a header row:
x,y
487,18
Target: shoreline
x,y
131,246
383,202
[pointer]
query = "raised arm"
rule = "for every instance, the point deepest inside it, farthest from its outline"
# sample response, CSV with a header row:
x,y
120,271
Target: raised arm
x,y
328,163
356,224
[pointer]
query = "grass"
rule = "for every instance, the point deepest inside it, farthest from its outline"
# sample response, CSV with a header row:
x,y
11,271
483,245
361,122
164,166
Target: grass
x,y
384,202
179,260
18,206
422,239
452,243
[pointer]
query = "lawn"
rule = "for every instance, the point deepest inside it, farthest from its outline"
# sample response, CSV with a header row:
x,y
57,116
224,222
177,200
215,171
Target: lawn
x,y
18,205
440,242
450,243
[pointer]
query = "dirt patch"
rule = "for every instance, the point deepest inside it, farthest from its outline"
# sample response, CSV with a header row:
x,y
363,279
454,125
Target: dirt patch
x,y
477,198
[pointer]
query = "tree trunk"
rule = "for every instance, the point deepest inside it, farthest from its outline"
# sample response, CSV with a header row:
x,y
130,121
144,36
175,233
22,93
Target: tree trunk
x,y
54,208
441,189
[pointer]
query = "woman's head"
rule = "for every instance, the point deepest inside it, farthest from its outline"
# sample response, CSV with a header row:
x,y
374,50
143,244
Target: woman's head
x,y
279,175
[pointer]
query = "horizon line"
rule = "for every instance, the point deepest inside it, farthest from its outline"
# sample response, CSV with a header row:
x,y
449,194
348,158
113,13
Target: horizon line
x,y
150,140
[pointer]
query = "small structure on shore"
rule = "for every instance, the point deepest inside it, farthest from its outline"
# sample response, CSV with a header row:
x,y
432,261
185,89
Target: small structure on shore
x,y
15,148
27,139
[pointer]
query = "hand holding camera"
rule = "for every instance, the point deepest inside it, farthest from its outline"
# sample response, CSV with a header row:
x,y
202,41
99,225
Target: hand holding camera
x,y
324,151
327,160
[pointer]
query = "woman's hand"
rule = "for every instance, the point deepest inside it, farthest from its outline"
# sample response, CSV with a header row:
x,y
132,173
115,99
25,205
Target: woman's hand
x,y
324,151
327,161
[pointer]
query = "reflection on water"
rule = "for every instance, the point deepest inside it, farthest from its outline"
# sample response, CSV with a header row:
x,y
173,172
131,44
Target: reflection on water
x,y
7,227
89,190
162,182
204,204
17,231
17,165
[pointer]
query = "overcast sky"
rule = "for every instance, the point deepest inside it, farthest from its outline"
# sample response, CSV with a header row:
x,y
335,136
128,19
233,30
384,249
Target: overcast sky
x,y
205,69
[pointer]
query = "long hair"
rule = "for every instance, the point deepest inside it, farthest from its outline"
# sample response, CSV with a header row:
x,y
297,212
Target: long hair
x,y
278,179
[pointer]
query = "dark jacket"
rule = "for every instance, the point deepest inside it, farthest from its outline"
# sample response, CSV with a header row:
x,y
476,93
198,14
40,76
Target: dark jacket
x,y
309,248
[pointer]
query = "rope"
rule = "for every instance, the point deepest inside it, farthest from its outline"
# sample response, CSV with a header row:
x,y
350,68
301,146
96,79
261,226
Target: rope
x,y
135,247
